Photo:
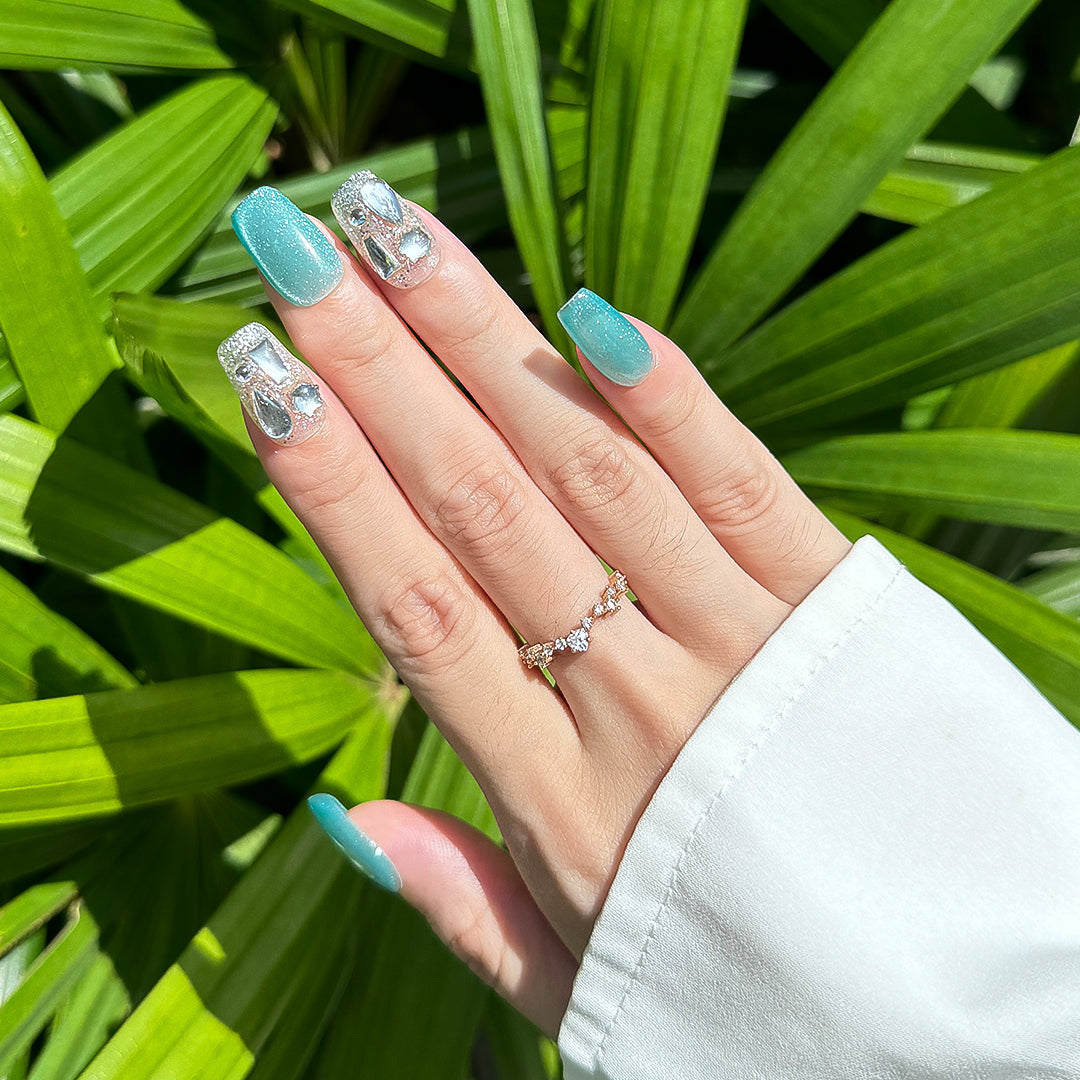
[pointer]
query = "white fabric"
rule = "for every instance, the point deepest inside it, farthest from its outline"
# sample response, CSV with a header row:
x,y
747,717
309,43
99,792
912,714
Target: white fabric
x,y
864,863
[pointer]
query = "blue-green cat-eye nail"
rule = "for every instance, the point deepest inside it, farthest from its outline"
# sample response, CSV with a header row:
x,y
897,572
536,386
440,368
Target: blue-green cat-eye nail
x,y
293,255
354,843
608,339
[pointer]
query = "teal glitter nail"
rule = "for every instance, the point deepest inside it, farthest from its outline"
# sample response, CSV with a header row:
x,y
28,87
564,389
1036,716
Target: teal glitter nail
x,y
354,843
293,255
608,340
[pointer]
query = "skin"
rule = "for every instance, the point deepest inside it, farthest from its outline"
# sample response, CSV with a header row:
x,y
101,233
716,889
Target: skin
x,y
447,527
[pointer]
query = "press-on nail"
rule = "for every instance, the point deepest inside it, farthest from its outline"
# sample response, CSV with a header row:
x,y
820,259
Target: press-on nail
x,y
354,843
293,255
387,233
608,339
278,392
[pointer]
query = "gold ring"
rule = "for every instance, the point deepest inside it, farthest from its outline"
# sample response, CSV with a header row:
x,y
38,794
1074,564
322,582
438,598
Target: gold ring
x,y
577,640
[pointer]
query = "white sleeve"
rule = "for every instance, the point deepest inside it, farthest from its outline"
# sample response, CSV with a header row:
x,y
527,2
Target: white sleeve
x,y
865,863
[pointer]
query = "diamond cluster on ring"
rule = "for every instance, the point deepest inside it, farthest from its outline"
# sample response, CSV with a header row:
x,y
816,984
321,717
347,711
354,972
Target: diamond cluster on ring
x,y
577,640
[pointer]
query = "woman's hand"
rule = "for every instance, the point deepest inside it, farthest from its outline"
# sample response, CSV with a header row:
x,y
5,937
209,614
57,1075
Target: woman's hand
x,y
449,524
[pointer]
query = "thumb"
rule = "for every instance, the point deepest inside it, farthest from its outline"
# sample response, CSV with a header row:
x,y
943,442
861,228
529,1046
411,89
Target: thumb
x,y
468,889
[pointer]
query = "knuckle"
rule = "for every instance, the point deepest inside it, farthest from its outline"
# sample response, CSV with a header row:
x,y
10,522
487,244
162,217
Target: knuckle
x,y
598,475
479,509
478,942
737,500
670,548
323,496
427,626
681,411
470,324
360,320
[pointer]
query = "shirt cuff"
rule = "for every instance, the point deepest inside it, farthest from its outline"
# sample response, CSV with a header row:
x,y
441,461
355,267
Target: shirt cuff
x,y
837,818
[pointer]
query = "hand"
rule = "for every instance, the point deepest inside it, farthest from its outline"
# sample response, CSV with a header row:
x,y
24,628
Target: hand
x,y
448,524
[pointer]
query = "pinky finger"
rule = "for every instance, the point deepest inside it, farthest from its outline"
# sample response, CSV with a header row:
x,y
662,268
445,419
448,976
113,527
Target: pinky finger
x,y
470,892
738,489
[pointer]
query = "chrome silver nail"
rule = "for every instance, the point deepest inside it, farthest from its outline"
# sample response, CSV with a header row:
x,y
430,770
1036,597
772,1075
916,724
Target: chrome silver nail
x,y
278,392
386,232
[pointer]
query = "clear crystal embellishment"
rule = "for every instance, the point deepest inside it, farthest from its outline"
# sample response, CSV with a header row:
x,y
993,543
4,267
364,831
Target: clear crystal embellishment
x,y
415,244
243,371
271,415
385,263
379,196
578,640
306,398
586,622
357,216
560,644
268,360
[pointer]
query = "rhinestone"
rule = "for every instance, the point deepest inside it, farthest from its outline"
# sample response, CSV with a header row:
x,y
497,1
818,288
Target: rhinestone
x,y
586,622
379,196
560,644
243,371
612,604
265,355
306,398
598,610
385,263
578,640
537,655
415,244
271,416
357,216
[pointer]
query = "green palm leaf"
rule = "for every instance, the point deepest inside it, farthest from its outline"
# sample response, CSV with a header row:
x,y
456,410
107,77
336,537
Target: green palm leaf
x,y
138,200
981,286
508,56
106,33
1041,642
65,960
657,108
68,505
1026,478
898,81
95,754
261,955
43,654
53,338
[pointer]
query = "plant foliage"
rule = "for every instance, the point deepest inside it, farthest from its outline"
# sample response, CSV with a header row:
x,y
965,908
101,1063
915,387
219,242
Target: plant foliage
x,y
860,218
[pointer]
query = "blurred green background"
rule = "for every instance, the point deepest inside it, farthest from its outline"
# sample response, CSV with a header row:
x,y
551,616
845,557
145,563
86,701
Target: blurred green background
x,y
863,222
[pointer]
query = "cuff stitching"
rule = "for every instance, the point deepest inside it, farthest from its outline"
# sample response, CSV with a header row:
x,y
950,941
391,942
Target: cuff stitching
x,y
766,730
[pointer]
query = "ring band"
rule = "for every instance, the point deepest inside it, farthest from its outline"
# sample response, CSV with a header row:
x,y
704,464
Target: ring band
x,y
577,640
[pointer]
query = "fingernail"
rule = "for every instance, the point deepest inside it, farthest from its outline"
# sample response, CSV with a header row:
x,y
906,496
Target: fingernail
x,y
293,255
386,232
278,392
607,338
354,843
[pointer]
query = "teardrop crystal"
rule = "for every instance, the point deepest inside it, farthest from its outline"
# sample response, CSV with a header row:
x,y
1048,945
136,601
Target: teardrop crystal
x,y
385,263
271,416
380,197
